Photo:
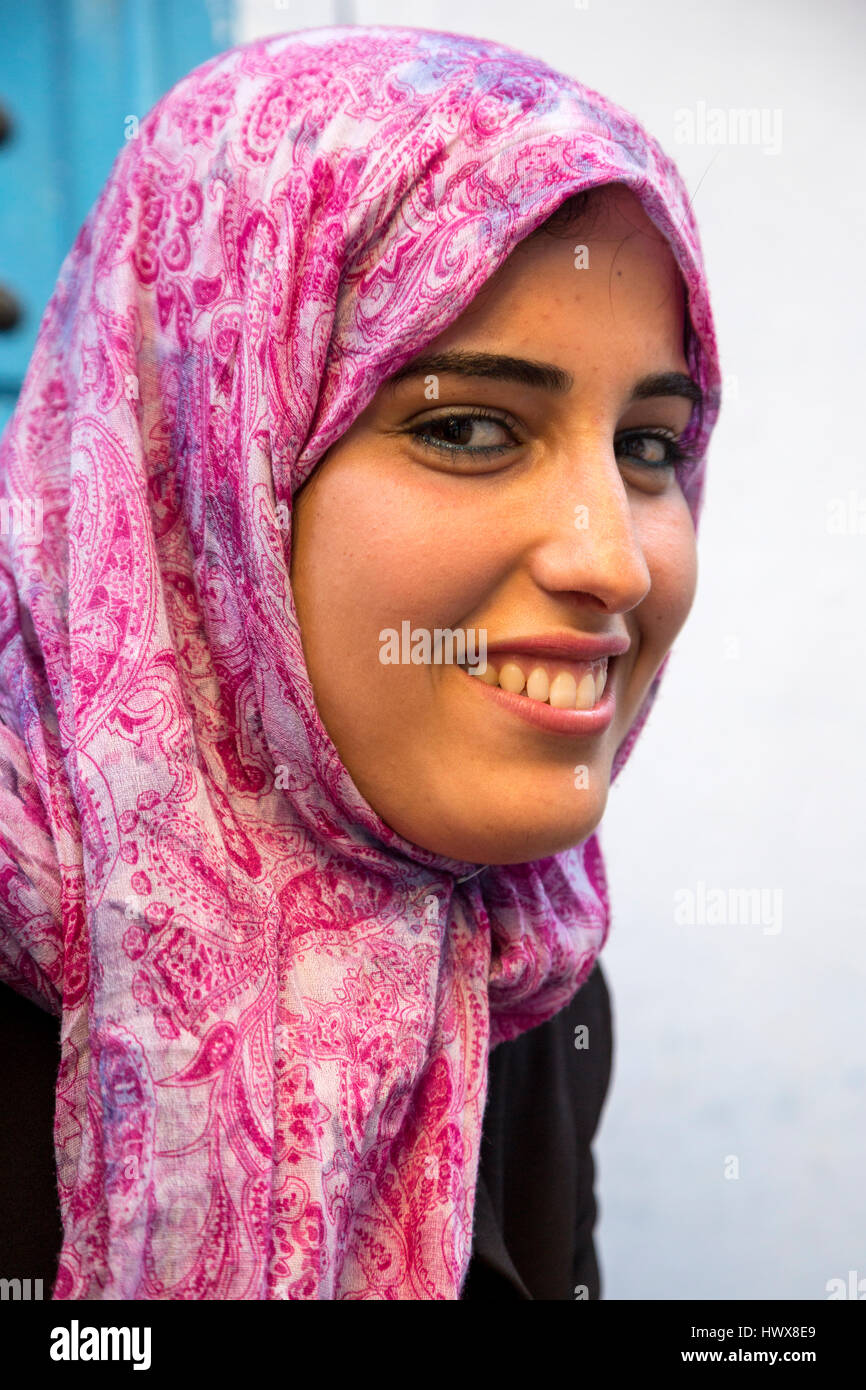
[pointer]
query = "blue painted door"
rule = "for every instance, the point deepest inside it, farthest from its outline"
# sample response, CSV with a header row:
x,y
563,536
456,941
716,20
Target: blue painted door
x,y
71,74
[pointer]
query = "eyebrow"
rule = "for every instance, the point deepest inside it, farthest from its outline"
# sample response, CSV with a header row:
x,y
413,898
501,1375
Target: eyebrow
x,y
543,375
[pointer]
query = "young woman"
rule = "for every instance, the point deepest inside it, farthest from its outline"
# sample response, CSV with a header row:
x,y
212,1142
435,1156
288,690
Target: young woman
x,y
374,337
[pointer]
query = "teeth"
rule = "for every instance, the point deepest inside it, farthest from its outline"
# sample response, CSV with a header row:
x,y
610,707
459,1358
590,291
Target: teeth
x,y
511,678
485,672
562,689
538,685
586,692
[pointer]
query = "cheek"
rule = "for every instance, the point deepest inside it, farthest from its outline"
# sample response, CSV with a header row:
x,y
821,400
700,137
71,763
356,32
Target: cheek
x,y
369,551
671,555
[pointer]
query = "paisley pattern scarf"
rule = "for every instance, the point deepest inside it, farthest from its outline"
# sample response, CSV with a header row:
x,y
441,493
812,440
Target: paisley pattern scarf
x,y
275,1013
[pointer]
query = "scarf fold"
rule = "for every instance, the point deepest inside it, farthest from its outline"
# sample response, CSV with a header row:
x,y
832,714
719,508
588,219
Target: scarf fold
x,y
276,1014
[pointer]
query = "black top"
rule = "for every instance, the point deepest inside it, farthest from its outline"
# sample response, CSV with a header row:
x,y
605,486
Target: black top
x,y
535,1206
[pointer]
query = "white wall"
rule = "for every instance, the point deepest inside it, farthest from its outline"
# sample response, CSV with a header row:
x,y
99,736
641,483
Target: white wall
x,y
735,1040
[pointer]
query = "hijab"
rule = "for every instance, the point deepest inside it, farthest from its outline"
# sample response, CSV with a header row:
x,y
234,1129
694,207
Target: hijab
x,y
276,1013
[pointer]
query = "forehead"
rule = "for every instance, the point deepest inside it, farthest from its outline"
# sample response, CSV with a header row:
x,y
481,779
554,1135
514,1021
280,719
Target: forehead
x,y
609,281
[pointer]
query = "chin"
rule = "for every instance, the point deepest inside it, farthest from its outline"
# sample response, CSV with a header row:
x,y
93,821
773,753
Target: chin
x,y
512,842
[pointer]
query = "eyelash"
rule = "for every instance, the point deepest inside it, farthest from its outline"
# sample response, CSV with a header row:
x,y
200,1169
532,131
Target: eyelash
x,y
677,453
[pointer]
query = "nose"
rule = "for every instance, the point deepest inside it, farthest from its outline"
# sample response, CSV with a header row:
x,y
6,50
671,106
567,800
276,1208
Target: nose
x,y
591,544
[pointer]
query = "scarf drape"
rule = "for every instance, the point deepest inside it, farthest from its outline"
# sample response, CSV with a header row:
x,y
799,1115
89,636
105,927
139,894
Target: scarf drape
x,y
276,1013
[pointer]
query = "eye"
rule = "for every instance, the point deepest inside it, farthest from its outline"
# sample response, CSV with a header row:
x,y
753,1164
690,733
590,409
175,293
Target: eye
x,y
656,448
471,433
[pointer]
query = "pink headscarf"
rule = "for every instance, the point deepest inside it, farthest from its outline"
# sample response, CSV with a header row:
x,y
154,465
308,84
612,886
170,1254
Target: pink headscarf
x,y
276,1013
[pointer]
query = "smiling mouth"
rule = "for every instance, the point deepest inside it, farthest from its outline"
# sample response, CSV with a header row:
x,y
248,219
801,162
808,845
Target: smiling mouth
x,y
560,684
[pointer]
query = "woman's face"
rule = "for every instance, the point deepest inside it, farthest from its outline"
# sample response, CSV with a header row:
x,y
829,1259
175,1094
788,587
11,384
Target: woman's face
x,y
549,521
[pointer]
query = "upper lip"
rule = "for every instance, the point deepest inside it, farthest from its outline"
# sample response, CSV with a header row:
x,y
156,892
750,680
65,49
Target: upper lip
x,y
570,646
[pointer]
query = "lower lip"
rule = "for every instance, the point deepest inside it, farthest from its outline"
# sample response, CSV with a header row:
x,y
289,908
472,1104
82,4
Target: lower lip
x,y
577,722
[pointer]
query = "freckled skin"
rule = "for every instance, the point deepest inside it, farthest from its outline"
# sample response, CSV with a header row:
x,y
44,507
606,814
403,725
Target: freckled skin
x,y
388,530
